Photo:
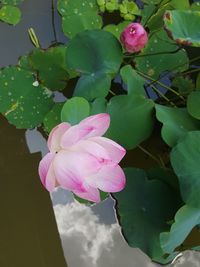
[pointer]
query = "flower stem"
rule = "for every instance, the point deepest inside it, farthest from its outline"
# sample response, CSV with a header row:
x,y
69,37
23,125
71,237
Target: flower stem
x,y
112,93
150,155
53,21
157,91
188,72
162,84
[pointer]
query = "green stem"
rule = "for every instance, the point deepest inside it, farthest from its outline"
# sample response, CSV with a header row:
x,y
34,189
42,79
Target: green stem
x,y
188,72
151,54
112,93
53,21
162,95
178,66
161,84
158,92
150,155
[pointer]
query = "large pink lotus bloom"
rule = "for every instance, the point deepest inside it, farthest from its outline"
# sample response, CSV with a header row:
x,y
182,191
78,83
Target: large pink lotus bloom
x,y
81,160
134,37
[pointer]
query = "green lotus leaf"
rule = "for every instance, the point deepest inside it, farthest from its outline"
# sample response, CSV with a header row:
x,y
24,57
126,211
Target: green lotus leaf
x,y
75,110
176,123
10,14
185,220
183,26
144,209
161,55
79,15
185,160
53,117
134,123
22,100
193,104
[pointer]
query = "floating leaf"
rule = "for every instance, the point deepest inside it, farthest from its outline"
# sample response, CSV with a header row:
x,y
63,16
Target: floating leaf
x,y
185,160
183,26
184,85
147,12
156,20
10,14
94,50
144,209
75,110
185,220
193,104
151,1
79,15
135,83
93,85
86,54
11,2
23,102
53,118
98,106
176,123
51,67
131,119
166,56
198,82
24,63
116,30
195,6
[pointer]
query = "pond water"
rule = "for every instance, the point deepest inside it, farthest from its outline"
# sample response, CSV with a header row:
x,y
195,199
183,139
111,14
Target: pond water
x,y
90,235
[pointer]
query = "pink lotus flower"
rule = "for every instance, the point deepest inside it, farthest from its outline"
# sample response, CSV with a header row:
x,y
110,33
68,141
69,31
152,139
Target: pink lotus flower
x,y
81,160
134,37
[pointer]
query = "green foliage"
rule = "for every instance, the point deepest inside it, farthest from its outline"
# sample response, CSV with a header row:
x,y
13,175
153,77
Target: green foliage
x,y
193,104
161,55
198,82
78,15
128,10
134,123
22,100
186,219
185,159
195,6
145,205
87,55
11,2
93,85
98,106
53,117
135,83
176,123
97,75
86,52
183,26
10,14
116,30
51,67
184,85
75,110
155,22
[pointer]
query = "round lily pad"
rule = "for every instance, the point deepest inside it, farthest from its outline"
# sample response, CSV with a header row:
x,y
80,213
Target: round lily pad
x,y
22,100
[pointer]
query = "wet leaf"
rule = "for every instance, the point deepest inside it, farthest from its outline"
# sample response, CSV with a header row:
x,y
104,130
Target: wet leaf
x,y
185,160
10,14
176,123
22,100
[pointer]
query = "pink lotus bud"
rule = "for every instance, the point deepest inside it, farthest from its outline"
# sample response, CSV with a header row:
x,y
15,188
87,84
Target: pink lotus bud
x,y
134,37
81,160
